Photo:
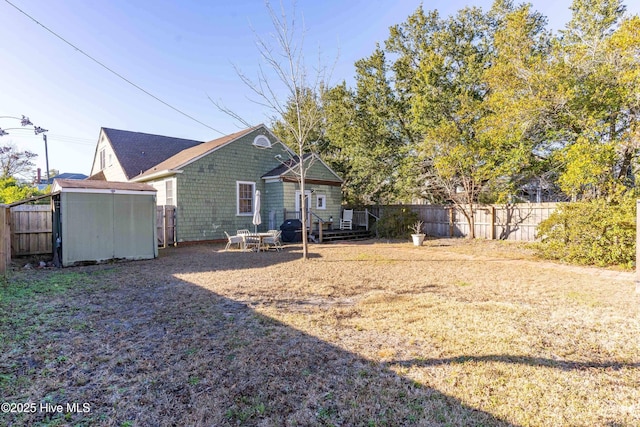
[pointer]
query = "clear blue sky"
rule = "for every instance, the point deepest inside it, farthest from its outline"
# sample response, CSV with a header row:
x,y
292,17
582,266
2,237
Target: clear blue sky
x,y
181,51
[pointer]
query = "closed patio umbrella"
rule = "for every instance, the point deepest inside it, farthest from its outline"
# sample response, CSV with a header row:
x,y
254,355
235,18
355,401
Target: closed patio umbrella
x,y
257,219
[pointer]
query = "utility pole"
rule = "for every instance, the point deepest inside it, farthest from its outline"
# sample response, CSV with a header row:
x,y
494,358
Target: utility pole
x,y
24,121
46,155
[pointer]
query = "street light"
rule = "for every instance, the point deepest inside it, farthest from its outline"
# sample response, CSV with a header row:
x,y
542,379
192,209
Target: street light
x,y
24,121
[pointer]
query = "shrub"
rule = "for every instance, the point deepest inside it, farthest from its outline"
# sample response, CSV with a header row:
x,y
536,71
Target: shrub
x,y
396,222
11,190
596,232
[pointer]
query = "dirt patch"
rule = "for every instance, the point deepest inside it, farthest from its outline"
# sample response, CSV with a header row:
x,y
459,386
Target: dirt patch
x,y
451,333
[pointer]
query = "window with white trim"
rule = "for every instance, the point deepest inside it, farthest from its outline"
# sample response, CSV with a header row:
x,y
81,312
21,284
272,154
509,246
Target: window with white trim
x,y
169,192
103,160
245,192
321,201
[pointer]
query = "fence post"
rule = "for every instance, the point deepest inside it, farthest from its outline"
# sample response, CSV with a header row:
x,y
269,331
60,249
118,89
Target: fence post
x,y
164,226
451,221
637,245
5,239
492,231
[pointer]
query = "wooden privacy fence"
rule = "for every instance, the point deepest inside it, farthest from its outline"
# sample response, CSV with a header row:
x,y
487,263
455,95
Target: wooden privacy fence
x,y
505,222
166,224
31,230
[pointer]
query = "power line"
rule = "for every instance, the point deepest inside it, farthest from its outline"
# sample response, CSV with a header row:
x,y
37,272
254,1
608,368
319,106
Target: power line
x,y
72,139
19,133
110,70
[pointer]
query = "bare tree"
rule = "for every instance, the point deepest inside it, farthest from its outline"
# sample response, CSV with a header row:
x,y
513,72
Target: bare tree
x,y
15,163
284,85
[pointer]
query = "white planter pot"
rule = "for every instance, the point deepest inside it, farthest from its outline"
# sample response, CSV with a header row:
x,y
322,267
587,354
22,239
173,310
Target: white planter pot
x,y
417,239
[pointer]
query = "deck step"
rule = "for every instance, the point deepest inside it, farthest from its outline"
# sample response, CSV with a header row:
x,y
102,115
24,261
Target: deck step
x,y
336,235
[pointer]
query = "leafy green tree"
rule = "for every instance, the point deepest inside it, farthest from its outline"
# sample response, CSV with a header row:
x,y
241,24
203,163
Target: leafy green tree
x,y
520,98
448,99
310,104
370,129
597,58
12,191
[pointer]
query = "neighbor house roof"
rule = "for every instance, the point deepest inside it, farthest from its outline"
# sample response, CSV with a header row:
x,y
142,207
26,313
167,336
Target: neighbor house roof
x,y
66,175
138,152
192,154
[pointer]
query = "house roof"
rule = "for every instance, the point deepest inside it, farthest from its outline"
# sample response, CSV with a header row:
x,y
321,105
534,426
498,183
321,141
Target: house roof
x,y
138,152
98,176
66,175
71,175
191,154
74,184
286,166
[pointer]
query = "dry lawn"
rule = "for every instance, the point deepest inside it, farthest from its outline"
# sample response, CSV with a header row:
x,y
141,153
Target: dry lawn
x,y
453,333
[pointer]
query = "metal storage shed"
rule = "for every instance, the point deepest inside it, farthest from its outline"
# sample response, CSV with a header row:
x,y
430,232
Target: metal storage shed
x,y
96,221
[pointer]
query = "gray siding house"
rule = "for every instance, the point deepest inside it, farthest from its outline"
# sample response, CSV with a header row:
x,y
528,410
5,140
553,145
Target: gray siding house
x,y
213,184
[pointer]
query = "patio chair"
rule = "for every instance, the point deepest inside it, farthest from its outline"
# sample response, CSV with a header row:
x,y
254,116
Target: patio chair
x,y
273,240
347,220
233,240
248,241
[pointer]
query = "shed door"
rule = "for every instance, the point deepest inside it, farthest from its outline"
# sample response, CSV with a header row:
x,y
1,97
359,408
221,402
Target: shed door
x,y
87,227
134,232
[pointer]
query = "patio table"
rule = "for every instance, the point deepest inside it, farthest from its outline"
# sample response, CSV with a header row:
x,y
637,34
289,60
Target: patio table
x,y
259,236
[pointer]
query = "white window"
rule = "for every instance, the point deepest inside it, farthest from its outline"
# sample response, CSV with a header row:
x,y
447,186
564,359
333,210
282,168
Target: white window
x,y
321,201
262,141
245,192
169,192
103,158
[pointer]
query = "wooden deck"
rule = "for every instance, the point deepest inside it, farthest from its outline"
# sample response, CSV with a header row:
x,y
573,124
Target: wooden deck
x,y
336,235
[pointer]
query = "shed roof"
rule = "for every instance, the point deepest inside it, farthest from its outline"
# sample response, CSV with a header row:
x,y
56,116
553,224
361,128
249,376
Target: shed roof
x,y
137,151
63,185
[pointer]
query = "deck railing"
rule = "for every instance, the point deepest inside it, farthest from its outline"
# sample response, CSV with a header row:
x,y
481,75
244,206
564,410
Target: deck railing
x,y
360,218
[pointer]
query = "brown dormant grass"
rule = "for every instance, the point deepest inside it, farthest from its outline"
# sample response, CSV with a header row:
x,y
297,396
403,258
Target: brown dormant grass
x,y
453,333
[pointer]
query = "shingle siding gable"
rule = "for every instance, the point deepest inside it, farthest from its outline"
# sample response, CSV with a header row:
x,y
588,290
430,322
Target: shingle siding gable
x,y
113,170
206,188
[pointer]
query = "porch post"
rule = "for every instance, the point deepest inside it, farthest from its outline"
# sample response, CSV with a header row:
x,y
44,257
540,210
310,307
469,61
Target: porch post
x,y
366,219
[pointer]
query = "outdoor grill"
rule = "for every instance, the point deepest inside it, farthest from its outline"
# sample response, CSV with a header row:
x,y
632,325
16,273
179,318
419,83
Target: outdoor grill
x,y
291,231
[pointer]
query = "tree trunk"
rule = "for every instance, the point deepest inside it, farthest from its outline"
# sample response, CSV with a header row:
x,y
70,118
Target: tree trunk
x,y
471,220
303,208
